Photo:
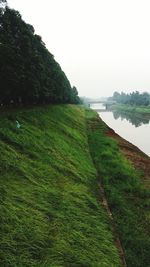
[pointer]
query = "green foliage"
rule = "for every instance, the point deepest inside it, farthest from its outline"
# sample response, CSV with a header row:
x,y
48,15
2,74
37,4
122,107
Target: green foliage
x,y
50,212
128,197
134,98
28,72
132,109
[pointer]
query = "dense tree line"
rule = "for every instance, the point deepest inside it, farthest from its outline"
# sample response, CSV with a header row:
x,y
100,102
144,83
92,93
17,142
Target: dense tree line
x,y
134,98
29,73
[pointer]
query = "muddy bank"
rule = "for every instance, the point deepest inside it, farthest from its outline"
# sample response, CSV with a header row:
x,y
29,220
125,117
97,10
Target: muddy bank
x,y
139,159
126,192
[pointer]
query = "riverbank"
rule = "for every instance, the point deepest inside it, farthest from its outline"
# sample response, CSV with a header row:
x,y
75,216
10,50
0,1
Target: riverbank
x,y
52,209
124,172
133,109
139,159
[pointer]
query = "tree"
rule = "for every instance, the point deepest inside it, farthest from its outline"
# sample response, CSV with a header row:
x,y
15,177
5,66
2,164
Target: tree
x,y
145,99
74,95
134,98
116,96
29,73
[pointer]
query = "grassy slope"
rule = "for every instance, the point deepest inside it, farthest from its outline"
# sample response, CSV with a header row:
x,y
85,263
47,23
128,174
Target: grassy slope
x,y
127,195
50,213
134,109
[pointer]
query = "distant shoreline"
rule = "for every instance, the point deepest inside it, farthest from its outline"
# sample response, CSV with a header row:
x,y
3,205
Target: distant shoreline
x,y
134,109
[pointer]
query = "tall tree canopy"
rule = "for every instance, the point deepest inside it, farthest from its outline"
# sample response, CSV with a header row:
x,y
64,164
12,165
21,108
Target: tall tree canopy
x,y
28,71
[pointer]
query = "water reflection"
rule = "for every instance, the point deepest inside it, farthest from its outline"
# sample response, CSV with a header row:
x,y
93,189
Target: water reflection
x,y
135,119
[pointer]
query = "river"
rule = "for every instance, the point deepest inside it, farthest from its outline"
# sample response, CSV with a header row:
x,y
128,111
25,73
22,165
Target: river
x,y
135,128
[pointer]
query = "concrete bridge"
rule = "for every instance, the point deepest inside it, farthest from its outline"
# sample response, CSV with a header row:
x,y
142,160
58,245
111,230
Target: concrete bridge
x,y
106,103
102,110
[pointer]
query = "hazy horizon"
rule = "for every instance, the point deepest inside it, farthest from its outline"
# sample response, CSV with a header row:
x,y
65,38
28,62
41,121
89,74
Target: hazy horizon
x,y
102,46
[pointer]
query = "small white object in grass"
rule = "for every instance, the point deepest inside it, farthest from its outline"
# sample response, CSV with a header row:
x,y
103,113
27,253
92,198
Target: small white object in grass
x,y
18,124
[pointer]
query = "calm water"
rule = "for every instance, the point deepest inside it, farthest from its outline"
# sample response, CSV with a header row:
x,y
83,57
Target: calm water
x,y
134,128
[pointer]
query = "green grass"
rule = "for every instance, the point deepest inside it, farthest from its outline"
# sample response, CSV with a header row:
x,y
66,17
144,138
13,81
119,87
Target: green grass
x,y
134,109
50,211
127,195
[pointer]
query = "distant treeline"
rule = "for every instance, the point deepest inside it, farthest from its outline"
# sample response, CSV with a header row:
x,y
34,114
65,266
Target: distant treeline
x,y
134,98
28,72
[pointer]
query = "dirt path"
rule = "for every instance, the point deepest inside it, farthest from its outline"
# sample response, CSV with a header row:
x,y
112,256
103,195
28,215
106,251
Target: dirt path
x,y
116,237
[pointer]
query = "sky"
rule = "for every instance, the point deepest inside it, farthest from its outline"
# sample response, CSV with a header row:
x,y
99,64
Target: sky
x,y
102,45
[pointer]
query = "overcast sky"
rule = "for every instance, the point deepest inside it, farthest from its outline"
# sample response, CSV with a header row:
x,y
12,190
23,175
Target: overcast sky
x,y
102,45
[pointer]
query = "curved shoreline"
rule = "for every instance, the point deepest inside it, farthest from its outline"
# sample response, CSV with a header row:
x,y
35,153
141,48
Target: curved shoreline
x,y
123,170
137,157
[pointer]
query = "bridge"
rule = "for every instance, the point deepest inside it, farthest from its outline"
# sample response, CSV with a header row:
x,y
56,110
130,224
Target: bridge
x,y
102,110
105,103
96,101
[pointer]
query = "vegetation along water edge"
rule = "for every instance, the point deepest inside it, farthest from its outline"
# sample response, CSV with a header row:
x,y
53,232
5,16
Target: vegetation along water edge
x,y
52,211
134,102
124,172
132,109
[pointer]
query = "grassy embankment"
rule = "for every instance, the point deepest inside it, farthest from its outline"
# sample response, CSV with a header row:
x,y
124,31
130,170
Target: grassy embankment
x,y
50,211
134,109
127,195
